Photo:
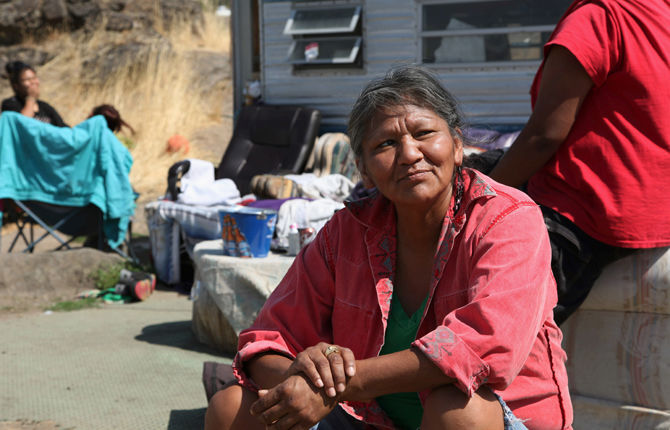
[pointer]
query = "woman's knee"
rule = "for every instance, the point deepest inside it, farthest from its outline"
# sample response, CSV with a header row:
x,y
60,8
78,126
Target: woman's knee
x,y
447,407
229,409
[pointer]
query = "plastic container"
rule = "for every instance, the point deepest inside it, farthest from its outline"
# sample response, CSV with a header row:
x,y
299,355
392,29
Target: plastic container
x,y
247,232
293,240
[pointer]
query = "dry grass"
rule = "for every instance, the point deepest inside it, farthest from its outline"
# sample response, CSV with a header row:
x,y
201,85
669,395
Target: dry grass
x,y
159,99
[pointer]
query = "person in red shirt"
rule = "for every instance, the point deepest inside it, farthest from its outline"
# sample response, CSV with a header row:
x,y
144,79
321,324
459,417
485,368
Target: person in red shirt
x,y
596,149
426,304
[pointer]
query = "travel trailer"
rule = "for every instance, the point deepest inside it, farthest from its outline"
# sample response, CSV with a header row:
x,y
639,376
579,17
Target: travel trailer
x,y
320,54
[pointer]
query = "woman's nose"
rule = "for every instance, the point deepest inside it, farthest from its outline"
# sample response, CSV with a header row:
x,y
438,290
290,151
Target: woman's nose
x,y
409,151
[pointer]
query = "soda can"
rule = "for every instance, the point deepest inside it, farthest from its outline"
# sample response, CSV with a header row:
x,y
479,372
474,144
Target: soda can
x,y
307,235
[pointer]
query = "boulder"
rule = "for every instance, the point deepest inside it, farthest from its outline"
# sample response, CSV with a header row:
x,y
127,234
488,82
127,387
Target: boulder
x,y
134,54
54,11
118,22
33,56
116,5
34,281
213,69
82,12
17,18
34,18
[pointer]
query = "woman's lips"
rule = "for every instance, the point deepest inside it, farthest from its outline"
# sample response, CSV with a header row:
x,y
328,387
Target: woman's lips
x,y
415,175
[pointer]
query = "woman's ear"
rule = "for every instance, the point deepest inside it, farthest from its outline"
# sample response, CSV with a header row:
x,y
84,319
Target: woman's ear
x,y
458,147
367,182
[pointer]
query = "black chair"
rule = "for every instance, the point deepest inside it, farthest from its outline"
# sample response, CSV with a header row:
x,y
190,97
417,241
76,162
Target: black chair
x,y
269,139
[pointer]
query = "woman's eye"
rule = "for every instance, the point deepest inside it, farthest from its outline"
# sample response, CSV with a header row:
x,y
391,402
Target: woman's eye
x,y
386,143
424,133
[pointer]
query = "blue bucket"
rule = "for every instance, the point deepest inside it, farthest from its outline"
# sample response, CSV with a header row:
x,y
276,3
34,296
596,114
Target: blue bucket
x,y
247,232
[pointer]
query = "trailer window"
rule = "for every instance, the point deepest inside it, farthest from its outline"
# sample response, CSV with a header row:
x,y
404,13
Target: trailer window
x,y
323,20
487,31
324,35
334,50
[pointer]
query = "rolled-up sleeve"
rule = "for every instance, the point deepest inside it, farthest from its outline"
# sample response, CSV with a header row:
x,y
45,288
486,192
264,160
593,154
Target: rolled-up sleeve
x,y
297,313
510,293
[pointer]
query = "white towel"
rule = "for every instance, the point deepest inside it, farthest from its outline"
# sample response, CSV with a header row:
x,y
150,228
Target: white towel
x,y
303,213
199,188
219,192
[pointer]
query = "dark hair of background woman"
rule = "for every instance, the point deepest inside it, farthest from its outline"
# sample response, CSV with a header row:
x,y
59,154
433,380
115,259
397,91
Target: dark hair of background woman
x,y
14,70
113,117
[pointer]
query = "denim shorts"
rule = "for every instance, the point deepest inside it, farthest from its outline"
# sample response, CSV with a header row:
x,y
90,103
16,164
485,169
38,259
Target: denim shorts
x,y
340,420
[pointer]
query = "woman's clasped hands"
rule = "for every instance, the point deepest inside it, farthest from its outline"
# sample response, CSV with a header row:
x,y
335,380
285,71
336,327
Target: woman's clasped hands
x,y
313,382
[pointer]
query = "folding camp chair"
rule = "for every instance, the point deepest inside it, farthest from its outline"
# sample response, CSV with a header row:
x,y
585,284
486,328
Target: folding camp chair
x,y
74,222
71,181
59,221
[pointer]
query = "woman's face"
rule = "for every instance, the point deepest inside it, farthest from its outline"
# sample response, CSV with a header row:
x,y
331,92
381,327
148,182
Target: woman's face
x,y
409,154
28,85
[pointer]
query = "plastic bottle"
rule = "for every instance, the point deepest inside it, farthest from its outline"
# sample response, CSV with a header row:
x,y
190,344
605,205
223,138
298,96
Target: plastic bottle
x,y
293,240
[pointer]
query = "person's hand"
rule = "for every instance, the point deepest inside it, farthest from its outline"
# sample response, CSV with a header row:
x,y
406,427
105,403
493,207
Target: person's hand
x,y
293,404
326,366
33,91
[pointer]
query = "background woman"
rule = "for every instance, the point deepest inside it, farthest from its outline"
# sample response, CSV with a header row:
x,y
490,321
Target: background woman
x,y
427,304
26,86
596,150
112,116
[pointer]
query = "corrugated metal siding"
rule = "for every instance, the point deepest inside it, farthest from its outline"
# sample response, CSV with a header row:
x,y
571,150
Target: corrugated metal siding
x,y
390,36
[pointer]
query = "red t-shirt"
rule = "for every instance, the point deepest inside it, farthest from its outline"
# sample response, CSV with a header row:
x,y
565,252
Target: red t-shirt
x,y
611,176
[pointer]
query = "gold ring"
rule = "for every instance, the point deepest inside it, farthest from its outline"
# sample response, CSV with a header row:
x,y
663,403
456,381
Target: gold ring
x,y
330,350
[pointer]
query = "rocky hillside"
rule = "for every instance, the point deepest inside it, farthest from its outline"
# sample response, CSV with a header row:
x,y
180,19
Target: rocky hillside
x,y
163,63
34,21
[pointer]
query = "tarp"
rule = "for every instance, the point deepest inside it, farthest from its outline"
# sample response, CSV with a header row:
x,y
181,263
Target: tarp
x,y
69,167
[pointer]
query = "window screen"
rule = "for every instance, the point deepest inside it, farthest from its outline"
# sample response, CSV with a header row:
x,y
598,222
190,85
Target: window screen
x,y
323,20
487,31
325,35
338,50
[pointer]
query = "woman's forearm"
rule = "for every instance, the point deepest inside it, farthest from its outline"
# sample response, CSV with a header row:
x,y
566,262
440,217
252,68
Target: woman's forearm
x,y
405,371
563,88
268,370
529,154
30,107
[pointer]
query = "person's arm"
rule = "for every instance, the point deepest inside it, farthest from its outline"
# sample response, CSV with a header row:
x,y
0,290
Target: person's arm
x,y
486,341
30,108
404,371
563,88
268,370
510,295
11,104
296,401
295,317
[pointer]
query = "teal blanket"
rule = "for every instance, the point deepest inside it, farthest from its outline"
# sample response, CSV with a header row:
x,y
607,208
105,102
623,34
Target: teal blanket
x,y
68,166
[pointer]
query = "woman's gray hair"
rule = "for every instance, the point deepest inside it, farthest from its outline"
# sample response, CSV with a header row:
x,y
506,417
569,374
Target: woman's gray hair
x,y
403,85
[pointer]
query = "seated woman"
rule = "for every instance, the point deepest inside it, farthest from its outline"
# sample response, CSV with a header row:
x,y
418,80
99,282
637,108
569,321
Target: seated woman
x,y
427,304
26,86
112,116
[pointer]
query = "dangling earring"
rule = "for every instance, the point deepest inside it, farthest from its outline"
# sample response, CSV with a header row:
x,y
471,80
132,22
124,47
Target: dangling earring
x,y
459,188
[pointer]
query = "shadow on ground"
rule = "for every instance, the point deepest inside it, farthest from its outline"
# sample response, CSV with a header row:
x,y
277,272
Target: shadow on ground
x,y
187,419
177,334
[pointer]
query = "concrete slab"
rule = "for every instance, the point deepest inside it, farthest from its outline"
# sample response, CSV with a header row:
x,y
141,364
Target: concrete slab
x,y
117,367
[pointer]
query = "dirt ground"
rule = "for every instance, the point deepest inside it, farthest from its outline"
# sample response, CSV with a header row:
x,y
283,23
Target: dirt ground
x,y
29,283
